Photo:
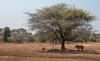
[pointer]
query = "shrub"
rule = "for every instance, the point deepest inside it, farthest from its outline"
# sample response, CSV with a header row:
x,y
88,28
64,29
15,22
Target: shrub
x,y
1,39
16,37
11,39
29,38
92,39
79,39
19,38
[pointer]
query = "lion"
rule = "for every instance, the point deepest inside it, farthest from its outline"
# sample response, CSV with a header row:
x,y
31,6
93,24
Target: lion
x,y
50,50
44,49
79,47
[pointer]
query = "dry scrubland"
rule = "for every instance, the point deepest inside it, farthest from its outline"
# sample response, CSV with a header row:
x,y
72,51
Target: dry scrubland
x,y
32,52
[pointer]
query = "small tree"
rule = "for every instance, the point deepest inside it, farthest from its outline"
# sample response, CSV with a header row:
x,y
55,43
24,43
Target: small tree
x,y
6,33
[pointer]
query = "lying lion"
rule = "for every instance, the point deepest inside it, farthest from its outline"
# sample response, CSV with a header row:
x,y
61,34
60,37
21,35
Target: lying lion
x,y
44,50
51,50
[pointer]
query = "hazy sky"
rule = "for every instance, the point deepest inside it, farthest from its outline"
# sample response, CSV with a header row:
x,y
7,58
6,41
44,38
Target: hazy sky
x,y
11,11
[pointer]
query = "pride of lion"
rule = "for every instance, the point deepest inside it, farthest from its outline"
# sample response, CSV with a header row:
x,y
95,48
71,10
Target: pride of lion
x,y
79,48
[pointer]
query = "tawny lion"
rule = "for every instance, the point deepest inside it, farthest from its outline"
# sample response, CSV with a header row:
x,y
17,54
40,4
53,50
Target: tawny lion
x,y
79,47
44,49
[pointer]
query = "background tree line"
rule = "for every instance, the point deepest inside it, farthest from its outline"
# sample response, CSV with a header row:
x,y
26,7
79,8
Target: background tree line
x,y
21,35
15,35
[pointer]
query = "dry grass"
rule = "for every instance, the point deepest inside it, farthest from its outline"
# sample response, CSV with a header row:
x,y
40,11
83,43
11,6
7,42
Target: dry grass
x,y
32,52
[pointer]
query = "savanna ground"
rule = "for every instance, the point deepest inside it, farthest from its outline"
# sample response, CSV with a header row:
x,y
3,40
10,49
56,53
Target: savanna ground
x,y
33,52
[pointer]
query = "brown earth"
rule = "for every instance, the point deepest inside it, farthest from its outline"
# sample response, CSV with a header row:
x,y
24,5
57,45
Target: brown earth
x,y
33,52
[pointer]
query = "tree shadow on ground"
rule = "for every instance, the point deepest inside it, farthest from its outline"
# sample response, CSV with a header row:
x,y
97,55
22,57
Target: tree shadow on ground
x,y
68,51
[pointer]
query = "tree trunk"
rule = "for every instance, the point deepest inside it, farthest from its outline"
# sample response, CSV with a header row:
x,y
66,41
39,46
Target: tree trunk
x,y
85,41
5,39
63,46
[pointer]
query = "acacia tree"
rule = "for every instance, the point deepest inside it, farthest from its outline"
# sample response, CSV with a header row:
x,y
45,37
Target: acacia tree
x,y
6,33
60,19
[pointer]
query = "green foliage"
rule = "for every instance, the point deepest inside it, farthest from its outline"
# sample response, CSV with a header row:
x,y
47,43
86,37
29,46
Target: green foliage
x,y
78,39
11,39
84,34
40,37
29,38
92,39
20,30
1,39
20,36
6,33
17,37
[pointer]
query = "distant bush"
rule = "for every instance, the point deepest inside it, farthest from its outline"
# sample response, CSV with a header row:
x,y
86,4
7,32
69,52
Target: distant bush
x,y
11,39
20,38
92,39
40,39
29,38
1,39
78,39
16,37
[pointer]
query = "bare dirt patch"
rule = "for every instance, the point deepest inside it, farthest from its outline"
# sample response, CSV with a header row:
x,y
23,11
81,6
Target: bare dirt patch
x,y
33,52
